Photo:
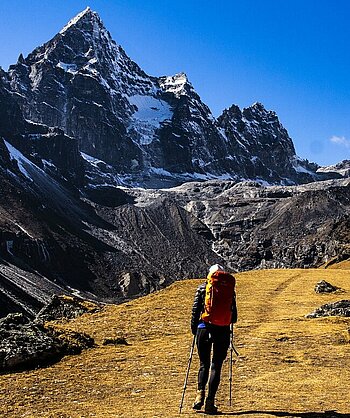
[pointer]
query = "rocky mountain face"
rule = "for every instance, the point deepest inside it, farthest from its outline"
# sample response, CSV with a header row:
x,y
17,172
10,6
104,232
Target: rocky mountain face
x,y
48,147
118,244
269,227
57,239
79,121
153,131
53,242
263,147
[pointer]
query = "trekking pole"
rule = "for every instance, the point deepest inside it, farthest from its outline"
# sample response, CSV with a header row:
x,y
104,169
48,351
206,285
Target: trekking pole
x,y
187,373
232,349
230,372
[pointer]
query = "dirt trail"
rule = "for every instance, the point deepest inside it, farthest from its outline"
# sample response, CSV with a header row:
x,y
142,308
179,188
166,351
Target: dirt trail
x,y
289,366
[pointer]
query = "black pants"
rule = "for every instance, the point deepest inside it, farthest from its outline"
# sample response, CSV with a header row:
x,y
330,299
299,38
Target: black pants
x,y
218,339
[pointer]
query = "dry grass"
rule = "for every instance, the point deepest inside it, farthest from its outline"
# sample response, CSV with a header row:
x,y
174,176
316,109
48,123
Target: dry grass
x,y
288,365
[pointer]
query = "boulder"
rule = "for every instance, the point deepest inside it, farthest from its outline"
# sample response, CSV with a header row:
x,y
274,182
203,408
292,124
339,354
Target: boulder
x,y
325,287
71,342
115,341
339,308
65,307
25,344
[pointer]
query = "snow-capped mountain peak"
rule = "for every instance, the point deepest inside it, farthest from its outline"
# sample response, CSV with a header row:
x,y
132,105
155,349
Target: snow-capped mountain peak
x,y
83,82
82,18
258,110
177,84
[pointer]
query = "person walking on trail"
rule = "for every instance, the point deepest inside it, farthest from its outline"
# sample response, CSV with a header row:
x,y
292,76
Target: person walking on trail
x,y
214,310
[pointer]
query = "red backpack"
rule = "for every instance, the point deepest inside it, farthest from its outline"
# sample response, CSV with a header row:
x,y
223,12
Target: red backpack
x,y
219,294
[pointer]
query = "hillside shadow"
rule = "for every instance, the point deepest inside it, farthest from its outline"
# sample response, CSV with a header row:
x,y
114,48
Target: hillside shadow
x,y
326,414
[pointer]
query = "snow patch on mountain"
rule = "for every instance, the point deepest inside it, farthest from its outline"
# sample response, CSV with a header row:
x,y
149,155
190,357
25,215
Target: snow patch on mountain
x,y
300,169
190,176
150,110
92,160
150,113
75,19
301,166
21,160
175,84
35,77
69,68
98,173
23,230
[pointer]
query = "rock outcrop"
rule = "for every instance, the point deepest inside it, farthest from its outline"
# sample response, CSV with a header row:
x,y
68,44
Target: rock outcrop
x,y
325,287
65,307
340,308
48,147
26,345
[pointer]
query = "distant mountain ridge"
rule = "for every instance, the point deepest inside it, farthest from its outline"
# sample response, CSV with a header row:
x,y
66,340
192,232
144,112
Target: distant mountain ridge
x,y
151,131
342,168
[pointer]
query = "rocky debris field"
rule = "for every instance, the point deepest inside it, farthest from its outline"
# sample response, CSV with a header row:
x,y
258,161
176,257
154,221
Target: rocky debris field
x,y
269,227
65,307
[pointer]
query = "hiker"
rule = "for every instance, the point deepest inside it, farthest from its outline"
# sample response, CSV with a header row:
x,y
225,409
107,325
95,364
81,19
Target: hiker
x,y
210,323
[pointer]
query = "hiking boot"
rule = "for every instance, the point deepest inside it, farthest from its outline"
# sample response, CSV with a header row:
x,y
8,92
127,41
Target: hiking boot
x,y
199,401
210,407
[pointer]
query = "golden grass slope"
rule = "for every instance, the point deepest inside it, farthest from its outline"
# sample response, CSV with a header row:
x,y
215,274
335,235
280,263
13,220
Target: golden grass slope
x,y
343,265
288,365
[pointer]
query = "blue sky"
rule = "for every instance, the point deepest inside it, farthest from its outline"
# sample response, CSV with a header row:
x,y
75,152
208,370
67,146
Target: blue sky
x,y
291,55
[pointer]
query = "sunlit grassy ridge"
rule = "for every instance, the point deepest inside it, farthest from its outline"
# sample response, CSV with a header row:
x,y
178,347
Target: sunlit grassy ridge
x,y
287,363
343,265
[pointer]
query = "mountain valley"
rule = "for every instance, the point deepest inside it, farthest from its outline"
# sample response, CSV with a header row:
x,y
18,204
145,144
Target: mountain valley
x,y
115,183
